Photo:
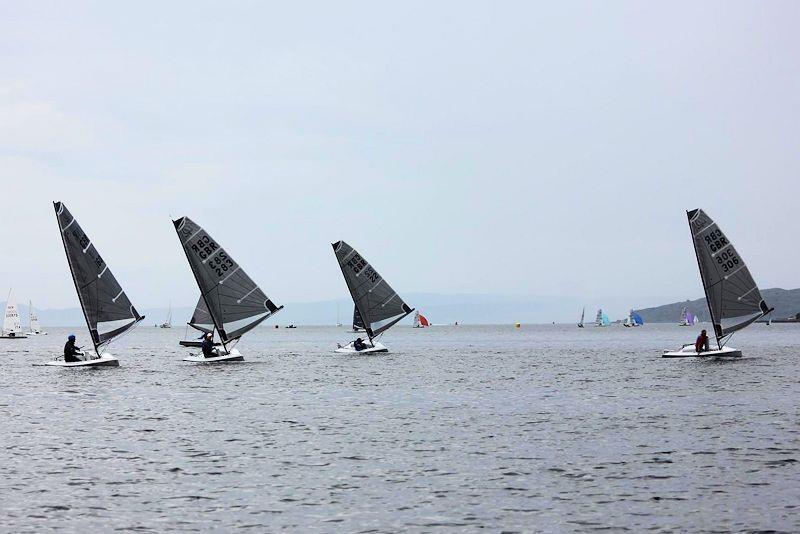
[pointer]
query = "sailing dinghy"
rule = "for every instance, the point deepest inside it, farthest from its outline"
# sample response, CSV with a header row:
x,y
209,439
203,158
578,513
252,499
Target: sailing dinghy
x,y
601,319
34,328
233,301
168,322
420,321
634,319
379,306
688,318
583,313
733,298
106,308
12,326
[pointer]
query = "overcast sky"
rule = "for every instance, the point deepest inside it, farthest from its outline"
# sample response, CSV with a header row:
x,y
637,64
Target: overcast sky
x,y
520,148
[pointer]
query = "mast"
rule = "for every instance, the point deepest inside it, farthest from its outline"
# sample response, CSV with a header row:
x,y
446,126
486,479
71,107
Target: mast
x,y
74,281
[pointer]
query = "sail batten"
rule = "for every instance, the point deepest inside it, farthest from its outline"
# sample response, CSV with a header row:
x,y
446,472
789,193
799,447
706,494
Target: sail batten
x,y
229,299
107,310
378,305
731,292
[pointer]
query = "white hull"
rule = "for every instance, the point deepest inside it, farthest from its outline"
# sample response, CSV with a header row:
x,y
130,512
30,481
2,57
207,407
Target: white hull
x,y
376,346
36,334
13,335
105,360
233,356
688,352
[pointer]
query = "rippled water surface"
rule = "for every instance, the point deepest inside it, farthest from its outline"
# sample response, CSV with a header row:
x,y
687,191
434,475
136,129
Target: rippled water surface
x,y
545,428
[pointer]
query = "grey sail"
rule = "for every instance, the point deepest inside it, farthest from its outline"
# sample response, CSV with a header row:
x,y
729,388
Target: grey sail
x,y
201,319
378,304
107,309
358,322
236,304
734,299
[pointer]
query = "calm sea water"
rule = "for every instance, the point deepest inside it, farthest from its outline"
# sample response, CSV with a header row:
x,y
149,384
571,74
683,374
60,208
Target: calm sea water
x,y
545,428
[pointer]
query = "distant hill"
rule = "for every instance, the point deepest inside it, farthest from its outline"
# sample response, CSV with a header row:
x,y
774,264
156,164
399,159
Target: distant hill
x,y
785,301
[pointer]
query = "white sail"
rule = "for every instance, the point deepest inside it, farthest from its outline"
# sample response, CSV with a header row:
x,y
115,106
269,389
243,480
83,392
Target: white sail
x,y
35,327
12,326
168,322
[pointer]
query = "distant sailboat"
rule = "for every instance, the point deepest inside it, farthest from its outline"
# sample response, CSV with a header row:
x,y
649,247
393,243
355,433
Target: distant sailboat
x,y
108,312
168,322
583,314
234,302
688,318
634,319
731,292
420,321
601,319
379,306
12,326
338,321
34,328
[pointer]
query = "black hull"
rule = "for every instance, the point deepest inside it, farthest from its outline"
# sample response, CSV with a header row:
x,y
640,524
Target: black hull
x,y
194,344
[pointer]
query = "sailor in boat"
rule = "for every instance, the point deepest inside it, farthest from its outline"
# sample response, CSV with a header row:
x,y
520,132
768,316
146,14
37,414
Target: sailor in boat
x,y
359,344
71,352
208,346
701,345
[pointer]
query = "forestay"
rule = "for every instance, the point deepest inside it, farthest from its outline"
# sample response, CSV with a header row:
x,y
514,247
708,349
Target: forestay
x,y
201,319
379,305
105,305
730,290
236,304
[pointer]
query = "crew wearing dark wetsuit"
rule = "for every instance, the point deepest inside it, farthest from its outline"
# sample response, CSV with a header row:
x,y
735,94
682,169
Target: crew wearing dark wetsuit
x,y
71,351
359,345
208,347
